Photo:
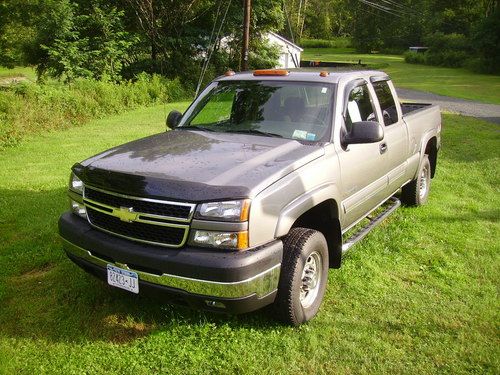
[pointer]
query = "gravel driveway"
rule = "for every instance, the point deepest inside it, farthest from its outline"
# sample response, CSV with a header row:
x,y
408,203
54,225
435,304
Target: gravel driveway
x,y
487,112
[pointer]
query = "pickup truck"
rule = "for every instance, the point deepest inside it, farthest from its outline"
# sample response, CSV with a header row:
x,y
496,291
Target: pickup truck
x,y
255,192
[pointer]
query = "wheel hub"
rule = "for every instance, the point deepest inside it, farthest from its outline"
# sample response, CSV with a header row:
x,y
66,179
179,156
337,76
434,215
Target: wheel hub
x,y
423,183
311,277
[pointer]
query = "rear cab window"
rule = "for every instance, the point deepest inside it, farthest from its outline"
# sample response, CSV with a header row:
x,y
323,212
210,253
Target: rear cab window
x,y
386,101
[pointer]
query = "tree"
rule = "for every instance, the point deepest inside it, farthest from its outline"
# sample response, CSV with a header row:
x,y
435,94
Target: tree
x,y
486,41
92,44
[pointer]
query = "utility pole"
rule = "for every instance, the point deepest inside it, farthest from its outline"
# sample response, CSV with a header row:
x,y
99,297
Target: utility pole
x,y
246,34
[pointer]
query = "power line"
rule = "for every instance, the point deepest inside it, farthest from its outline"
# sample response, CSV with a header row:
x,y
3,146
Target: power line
x,y
382,8
288,20
211,49
404,8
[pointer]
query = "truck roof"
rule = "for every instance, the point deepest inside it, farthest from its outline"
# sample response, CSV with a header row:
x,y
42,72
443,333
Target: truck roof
x,y
305,76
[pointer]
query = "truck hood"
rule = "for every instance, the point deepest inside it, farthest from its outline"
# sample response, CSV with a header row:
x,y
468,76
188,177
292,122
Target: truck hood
x,y
196,165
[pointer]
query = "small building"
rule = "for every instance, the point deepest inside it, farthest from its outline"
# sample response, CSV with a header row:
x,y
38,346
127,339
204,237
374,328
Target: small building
x,y
418,49
289,52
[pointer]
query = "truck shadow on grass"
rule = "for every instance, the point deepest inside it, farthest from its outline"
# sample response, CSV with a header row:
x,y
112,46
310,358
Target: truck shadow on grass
x,y
43,295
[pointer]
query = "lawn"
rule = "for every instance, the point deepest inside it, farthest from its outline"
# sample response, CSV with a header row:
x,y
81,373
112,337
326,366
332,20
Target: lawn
x,y
418,295
18,71
459,83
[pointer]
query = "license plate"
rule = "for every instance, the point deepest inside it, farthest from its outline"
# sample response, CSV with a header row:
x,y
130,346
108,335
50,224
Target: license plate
x,y
123,279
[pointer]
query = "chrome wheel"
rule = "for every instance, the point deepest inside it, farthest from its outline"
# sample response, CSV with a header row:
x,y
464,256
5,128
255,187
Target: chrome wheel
x,y
424,183
311,279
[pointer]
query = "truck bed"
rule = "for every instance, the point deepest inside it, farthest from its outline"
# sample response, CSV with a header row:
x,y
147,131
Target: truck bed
x,y
411,107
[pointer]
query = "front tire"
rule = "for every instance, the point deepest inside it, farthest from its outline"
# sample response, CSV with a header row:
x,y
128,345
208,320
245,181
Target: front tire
x,y
304,276
416,192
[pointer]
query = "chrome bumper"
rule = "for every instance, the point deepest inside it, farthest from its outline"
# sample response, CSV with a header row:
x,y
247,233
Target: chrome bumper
x,y
261,284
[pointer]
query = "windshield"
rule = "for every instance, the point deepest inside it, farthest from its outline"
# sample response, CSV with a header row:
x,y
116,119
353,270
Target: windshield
x,y
294,110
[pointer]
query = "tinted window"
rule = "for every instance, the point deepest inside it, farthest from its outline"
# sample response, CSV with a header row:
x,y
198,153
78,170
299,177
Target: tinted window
x,y
359,106
386,101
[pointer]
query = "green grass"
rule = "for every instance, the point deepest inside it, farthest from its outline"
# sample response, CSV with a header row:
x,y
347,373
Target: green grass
x,y
459,83
18,71
418,295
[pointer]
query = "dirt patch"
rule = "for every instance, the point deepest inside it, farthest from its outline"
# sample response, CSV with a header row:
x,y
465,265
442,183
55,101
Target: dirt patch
x,y
9,81
123,328
36,273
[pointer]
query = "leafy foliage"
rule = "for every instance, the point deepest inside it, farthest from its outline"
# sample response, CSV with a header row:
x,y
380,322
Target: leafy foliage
x,y
118,39
486,41
32,108
93,45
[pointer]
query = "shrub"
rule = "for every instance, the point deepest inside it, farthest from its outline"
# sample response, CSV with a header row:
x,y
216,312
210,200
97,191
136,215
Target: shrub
x,y
448,58
30,108
451,50
415,58
339,42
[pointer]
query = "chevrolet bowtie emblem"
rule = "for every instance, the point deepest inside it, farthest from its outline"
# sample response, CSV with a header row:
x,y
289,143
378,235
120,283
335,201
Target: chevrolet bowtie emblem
x,y
126,214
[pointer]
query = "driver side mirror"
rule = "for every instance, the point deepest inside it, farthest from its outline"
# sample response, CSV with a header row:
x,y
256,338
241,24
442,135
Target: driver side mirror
x,y
364,132
173,119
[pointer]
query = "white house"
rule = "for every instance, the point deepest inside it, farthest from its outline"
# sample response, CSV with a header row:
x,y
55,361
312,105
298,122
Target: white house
x,y
289,52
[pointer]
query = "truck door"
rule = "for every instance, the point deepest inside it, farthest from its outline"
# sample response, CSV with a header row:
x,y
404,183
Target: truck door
x,y
363,168
395,133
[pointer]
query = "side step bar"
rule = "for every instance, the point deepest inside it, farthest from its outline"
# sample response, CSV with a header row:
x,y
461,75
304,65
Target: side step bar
x,y
393,204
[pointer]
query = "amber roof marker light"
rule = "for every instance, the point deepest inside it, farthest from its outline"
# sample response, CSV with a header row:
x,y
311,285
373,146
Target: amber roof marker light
x,y
229,73
324,73
271,72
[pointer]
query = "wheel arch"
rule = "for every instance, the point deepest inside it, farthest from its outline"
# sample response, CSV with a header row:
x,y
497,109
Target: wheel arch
x,y
319,211
431,150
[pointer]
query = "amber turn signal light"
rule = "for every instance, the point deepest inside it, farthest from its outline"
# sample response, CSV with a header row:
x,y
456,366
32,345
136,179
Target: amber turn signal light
x,y
271,72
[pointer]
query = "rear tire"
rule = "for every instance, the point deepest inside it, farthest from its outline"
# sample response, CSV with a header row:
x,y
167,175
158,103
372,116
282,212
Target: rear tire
x,y
303,277
416,192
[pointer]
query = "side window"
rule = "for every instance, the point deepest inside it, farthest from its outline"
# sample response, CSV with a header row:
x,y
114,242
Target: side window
x,y
359,106
217,110
386,101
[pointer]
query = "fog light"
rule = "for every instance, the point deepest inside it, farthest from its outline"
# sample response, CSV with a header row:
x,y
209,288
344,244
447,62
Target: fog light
x,y
78,209
218,304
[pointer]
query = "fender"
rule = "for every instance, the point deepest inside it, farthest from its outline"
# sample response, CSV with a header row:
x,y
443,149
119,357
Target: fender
x,y
292,211
425,140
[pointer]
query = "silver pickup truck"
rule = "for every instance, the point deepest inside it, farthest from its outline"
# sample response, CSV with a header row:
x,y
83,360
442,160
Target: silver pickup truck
x,y
257,190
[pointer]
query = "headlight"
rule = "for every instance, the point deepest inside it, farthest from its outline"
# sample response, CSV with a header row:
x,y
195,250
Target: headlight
x,y
225,240
75,184
225,211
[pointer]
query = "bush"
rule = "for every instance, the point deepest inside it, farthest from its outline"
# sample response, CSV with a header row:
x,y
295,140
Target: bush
x,y
448,58
339,42
30,108
451,50
415,58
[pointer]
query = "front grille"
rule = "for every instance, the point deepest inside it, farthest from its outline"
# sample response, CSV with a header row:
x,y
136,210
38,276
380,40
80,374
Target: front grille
x,y
145,220
140,231
156,208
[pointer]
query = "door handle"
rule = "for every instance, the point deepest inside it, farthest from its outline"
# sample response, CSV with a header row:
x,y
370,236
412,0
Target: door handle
x,y
383,147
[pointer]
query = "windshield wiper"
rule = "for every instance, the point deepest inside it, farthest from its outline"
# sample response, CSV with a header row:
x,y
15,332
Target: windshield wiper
x,y
193,127
254,131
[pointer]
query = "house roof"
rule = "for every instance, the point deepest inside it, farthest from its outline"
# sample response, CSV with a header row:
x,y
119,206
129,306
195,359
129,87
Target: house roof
x,y
286,41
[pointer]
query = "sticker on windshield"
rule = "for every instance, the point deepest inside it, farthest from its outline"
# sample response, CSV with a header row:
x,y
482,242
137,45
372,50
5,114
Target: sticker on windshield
x,y
311,136
324,90
300,134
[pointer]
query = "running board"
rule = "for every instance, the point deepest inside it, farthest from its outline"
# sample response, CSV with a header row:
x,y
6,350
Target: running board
x,y
393,204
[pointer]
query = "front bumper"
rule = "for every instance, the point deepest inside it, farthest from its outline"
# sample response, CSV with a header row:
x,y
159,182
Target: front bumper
x,y
202,278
